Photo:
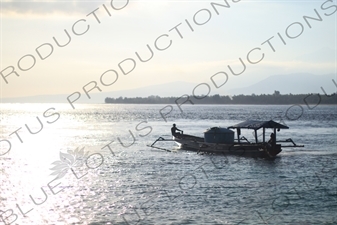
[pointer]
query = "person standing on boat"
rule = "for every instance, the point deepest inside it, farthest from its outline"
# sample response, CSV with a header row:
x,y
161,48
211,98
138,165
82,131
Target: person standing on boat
x,y
174,130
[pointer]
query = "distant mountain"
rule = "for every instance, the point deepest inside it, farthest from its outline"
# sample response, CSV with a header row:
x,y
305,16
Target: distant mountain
x,y
301,83
174,89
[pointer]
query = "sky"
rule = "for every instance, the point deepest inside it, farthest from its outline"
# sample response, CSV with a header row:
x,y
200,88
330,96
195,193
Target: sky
x,y
191,41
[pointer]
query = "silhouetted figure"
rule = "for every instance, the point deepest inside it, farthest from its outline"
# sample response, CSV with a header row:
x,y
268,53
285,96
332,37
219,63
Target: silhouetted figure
x,y
272,139
174,130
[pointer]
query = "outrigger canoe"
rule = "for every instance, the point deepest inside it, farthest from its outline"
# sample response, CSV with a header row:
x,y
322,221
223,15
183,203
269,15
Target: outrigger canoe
x,y
222,141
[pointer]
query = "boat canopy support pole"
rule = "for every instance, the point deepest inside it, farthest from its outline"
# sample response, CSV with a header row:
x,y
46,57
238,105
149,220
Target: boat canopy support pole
x,y
255,135
274,141
238,132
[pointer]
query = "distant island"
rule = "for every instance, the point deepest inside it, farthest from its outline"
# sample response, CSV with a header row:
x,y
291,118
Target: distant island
x,y
263,99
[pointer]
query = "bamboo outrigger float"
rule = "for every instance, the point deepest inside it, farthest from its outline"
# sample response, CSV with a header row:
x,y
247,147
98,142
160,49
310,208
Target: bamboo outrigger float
x,y
221,140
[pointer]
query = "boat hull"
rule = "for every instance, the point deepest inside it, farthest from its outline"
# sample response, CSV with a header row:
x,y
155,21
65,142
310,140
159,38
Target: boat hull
x,y
263,150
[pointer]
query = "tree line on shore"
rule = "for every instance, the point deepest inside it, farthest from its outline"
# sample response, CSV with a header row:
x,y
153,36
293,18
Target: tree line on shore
x,y
276,98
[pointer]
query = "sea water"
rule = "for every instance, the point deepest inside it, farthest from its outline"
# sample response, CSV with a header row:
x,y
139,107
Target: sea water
x,y
92,165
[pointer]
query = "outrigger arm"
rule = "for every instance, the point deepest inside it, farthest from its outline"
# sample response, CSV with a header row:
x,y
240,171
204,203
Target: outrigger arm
x,y
160,139
289,146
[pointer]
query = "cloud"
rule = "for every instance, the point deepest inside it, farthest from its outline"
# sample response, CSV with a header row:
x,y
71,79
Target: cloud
x,y
324,54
